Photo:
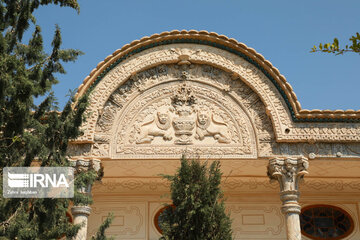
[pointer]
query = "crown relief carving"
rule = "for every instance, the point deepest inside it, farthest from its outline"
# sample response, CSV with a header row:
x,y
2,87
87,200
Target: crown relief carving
x,y
182,121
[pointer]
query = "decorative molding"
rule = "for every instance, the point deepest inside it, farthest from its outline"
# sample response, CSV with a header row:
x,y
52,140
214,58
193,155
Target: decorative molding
x,y
273,221
154,69
133,219
227,44
233,185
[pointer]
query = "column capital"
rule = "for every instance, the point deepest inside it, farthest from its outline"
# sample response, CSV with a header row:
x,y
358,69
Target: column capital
x,y
84,165
81,165
288,171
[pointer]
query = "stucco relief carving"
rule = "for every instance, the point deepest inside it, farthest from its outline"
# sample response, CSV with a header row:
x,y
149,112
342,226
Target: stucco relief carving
x,y
100,149
173,110
158,125
163,117
133,185
241,185
211,126
314,150
234,83
240,69
107,115
76,150
182,120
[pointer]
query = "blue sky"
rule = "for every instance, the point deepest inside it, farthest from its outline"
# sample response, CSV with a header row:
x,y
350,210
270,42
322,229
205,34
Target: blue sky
x,y
282,31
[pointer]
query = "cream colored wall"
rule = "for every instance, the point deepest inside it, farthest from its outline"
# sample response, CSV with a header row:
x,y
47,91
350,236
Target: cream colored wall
x,y
252,219
130,222
134,192
134,218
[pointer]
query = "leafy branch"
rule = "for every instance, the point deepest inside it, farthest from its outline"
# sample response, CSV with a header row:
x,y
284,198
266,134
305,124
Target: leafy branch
x,y
335,48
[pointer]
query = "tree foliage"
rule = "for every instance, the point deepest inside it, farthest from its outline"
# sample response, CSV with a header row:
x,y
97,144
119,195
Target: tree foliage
x,y
35,134
335,48
198,210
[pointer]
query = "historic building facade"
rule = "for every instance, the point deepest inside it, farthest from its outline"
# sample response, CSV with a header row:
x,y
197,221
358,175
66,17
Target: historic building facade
x,y
210,96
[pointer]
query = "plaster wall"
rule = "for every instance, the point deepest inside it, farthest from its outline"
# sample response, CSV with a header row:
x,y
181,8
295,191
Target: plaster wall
x,y
254,219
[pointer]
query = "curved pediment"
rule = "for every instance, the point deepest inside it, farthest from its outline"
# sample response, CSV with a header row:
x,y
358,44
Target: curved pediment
x,y
245,102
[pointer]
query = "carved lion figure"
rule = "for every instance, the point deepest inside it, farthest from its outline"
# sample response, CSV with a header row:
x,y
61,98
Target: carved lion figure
x,y
158,125
214,126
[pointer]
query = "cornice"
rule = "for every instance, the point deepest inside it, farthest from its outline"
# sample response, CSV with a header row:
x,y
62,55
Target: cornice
x,y
228,44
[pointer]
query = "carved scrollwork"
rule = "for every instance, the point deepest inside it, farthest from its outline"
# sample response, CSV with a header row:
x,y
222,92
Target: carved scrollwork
x,y
79,150
107,116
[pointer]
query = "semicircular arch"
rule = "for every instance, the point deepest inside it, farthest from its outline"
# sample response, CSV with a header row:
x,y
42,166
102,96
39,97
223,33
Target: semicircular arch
x,y
241,64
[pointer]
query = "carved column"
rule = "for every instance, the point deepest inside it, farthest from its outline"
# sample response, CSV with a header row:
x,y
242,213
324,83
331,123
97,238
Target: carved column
x,y
288,172
81,213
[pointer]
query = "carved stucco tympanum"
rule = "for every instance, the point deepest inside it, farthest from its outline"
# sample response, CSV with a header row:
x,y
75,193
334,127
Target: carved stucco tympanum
x,y
241,107
171,108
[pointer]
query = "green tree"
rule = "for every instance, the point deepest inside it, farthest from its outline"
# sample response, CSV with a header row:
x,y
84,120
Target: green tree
x,y
335,48
32,133
198,211
100,235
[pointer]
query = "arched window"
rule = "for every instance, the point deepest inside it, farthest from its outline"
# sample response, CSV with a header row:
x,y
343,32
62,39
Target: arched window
x,y
320,222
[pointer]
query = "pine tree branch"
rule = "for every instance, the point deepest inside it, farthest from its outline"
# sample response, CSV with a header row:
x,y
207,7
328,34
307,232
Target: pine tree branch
x,y
6,223
46,60
100,235
14,139
28,137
